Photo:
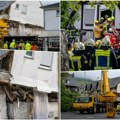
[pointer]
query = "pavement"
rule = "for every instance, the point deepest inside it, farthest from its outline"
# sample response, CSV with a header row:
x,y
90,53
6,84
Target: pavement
x,y
77,115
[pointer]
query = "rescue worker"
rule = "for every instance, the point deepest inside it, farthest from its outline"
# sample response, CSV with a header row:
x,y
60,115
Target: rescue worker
x,y
109,25
13,44
27,46
34,47
97,31
118,108
6,45
89,53
105,58
78,59
21,45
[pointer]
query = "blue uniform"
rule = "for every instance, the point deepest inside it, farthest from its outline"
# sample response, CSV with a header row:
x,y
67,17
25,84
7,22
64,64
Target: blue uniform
x,y
105,59
78,60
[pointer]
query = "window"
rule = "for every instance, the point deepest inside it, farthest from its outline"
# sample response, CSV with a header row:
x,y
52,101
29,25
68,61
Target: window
x,y
24,9
46,61
89,17
29,54
57,13
17,6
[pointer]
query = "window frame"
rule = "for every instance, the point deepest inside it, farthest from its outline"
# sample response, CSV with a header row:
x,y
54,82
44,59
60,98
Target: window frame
x,y
45,67
57,11
28,56
17,8
23,12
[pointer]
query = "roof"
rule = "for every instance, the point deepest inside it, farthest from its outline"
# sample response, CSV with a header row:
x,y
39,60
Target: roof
x,y
3,53
50,6
5,4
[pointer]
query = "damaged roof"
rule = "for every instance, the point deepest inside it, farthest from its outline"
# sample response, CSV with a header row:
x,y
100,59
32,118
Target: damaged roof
x,y
5,4
3,53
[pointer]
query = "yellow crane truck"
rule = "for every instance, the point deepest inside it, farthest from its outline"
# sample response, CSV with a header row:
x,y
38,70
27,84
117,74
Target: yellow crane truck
x,y
103,102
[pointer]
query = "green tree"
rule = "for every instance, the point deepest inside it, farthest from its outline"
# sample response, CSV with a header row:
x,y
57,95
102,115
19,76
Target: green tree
x,y
67,97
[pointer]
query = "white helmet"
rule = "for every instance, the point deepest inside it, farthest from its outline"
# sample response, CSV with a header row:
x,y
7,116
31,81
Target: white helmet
x,y
105,41
110,30
79,46
90,42
13,40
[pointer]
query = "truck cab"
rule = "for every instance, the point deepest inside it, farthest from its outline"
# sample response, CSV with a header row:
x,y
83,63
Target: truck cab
x,y
85,104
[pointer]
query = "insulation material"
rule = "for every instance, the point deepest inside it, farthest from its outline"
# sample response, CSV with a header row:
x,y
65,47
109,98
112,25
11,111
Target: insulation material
x,y
3,107
40,105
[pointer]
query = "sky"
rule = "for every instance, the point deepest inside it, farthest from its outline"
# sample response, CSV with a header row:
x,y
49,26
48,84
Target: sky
x,y
95,75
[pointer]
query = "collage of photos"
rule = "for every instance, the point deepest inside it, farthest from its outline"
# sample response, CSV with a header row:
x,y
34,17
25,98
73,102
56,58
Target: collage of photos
x,y
90,59
59,59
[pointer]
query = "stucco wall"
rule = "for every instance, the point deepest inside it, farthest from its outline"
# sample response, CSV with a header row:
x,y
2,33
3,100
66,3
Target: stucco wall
x,y
34,14
53,109
51,20
26,71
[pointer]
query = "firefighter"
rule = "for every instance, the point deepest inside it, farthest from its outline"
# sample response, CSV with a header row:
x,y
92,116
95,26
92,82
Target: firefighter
x,y
97,31
89,53
13,44
6,45
109,25
78,60
105,58
27,46
21,45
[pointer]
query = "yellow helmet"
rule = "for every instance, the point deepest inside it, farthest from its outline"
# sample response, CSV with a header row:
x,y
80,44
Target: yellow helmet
x,y
109,19
96,21
113,18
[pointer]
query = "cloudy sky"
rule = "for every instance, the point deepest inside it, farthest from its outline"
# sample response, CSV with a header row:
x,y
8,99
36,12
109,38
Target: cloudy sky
x,y
95,75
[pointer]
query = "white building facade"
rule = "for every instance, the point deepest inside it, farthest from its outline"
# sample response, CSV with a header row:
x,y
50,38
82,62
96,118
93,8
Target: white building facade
x,y
38,70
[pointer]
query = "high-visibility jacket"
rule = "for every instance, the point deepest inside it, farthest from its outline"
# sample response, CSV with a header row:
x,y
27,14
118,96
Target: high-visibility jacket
x,y
5,46
28,46
105,59
12,45
22,46
78,60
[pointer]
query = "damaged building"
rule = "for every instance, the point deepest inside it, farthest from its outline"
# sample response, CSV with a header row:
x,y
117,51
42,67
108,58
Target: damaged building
x,y
28,85
23,20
